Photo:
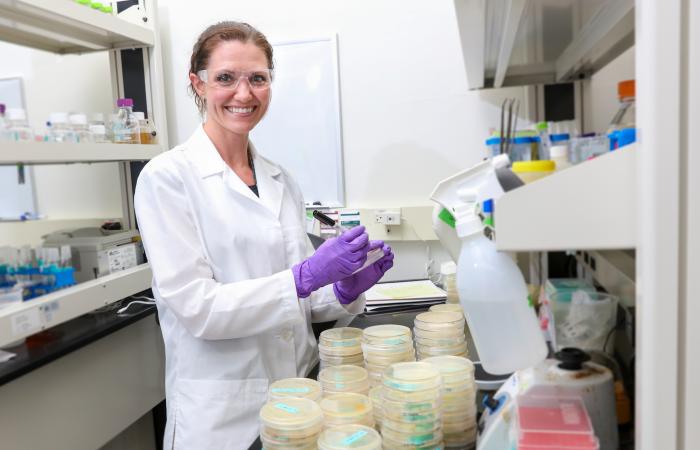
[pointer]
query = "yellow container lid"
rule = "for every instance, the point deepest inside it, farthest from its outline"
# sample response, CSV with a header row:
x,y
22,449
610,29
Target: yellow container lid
x,y
350,436
533,166
295,387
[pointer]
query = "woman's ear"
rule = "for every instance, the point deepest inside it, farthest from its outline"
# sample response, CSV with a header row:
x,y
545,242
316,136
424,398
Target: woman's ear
x,y
197,84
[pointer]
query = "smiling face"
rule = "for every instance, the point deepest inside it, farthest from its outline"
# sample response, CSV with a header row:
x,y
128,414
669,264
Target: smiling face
x,y
233,111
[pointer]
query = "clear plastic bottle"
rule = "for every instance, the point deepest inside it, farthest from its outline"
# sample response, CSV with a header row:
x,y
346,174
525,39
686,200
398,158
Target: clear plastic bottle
x,y
18,127
59,130
560,155
79,125
494,296
125,127
97,128
622,129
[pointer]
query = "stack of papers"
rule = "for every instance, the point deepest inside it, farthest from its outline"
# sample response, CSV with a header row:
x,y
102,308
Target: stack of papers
x,y
398,296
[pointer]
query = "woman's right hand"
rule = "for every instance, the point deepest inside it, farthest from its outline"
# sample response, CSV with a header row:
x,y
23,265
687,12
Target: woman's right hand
x,y
334,260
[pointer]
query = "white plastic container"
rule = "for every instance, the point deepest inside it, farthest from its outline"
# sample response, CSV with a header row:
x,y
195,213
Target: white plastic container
x,y
17,127
494,297
79,125
560,155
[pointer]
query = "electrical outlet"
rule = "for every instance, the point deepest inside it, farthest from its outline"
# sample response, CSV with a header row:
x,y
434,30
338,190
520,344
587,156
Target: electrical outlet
x,y
387,216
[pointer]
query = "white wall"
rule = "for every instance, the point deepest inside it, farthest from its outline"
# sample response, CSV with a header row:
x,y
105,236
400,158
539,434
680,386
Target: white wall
x,y
408,119
68,83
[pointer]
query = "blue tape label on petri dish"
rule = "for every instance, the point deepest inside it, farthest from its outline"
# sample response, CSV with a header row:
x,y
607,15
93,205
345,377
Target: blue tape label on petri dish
x,y
421,439
345,344
287,408
301,390
354,437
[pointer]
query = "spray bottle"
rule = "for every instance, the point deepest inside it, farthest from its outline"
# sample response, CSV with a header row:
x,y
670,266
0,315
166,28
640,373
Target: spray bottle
x,y
492,291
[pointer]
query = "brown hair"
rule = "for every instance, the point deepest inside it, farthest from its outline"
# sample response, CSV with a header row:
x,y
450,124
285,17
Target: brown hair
x,y
221,32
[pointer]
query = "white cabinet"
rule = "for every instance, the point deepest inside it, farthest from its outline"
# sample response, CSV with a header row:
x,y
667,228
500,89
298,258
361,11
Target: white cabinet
x,y
67,27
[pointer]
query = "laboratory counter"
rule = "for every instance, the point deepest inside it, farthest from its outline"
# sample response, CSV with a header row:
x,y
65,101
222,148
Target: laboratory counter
x,y
49,345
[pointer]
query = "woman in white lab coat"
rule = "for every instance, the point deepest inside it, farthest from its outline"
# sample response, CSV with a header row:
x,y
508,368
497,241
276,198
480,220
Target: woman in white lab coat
x,y
236,280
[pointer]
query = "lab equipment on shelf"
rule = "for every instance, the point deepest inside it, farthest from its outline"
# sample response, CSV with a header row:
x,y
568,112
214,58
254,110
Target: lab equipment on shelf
x,y
530,171
583,319
147,132
58,129
79,125
125,126
18,128
26,272
586,147
559,154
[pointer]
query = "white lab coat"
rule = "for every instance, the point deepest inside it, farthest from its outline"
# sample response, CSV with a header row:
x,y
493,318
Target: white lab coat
x,y
229,313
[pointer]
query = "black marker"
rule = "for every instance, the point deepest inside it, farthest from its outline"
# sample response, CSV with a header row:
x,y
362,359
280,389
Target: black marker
x,y
324,219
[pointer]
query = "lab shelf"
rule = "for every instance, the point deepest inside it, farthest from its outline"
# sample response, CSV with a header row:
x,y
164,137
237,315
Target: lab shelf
x,y
503,42
591,206
20,320
67,27
58,153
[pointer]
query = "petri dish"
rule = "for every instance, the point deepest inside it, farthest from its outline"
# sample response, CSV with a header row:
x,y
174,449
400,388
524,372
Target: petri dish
x,y
341,337
441,342
412,377
345,378
388,334
346,408
287,442
388,444
445,333
295,387
453,369
292,413
352,436
339,351
454,350
447,307
437,321
415,427
411,411
422,439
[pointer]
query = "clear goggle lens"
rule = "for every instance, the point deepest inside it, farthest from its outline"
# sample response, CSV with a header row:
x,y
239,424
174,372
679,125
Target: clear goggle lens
x,y
227,79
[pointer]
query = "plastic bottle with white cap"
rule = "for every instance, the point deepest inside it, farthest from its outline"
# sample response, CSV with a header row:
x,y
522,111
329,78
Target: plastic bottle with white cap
x,y
560,155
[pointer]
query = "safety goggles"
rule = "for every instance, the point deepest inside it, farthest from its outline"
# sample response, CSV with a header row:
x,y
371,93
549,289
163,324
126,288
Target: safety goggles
x,y
230,79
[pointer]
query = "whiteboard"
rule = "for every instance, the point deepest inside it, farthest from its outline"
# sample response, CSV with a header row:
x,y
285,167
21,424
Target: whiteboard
x,y
302,128
16,199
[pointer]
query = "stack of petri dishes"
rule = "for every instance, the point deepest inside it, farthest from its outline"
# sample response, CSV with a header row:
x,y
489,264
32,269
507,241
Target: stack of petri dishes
x,y
458,400
440,333
340,347
412,397
293,423
341,379
345,409
295,387
357,437
375,394
446,307
383,345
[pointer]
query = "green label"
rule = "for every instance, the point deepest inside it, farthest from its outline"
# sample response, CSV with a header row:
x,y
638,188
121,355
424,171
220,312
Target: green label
x,y
421,439
446,217
287,408
354,437
302,390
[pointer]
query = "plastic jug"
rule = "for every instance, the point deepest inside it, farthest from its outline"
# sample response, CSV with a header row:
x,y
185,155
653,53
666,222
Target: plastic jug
x,y
494,296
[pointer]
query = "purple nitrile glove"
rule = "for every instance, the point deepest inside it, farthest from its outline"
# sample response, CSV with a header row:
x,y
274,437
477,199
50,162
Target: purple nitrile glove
x,y
348,289
334,260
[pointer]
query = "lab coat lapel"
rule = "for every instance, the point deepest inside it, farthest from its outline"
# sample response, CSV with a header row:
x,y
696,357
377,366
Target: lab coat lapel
x,y
271,189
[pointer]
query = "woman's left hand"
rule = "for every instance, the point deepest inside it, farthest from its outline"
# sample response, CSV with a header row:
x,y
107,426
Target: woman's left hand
x,y
348,289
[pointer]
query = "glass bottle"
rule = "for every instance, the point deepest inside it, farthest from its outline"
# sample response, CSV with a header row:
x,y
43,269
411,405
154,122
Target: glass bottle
x,y
147,131
18,128
125,126
79,125
59,130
